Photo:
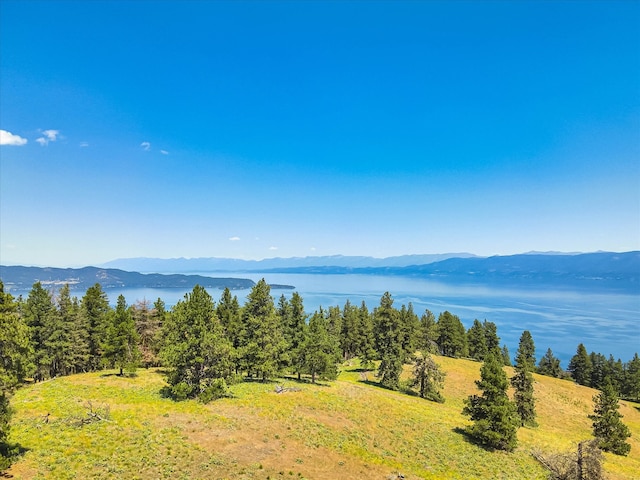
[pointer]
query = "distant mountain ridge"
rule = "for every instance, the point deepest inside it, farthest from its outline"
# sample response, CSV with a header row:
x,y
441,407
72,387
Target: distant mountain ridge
x,y
18,277
216,264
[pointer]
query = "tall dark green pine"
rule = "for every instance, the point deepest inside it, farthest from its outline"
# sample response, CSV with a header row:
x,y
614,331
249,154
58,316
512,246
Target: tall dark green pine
x,y
70,313
549,365
452,337
522,381
427,333
598,370
389,338
196,350
580,366
263,347
477,341
493,340
350,336
59,342
631,387
495,417
39,311
229,313
608,428
409,322
15,363
96,310
121,345
367,342
319,349
297,332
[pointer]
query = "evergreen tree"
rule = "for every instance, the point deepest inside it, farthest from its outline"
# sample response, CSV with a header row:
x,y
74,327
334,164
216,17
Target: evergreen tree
x,y
522,381
78,354
452,337
121,345
351,331
506,357
477,341
59,339
196,351
148,326
614,371
229,313
608,429
427,333
580,366
549,365
263,347
96,310
366,344
494,415
39,311
319,349
389,337
631,387
15,363
409,324
493,341
428,377
598,370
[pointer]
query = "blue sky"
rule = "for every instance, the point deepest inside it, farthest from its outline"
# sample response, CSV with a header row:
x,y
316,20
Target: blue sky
x,y
262,129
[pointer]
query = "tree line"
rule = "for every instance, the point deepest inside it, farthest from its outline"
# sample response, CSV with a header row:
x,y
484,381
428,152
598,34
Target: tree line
x,y
205,345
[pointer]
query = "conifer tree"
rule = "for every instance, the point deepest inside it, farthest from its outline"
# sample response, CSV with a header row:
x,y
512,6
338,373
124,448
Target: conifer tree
x,y
366,344
608,428
196,351
549,365
428,377
477,341
59,340
452,337
96,310
493,341
319,349
263,346
409,324
494,415
522,381
230,316
389,337
580,366
121,344
631,387
39,312
15,363
78,354
297,328
351,331
147,327
427,333
506,356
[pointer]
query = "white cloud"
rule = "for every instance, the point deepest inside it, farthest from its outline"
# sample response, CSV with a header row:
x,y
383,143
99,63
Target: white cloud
x,y
49,136
84,144
164,152
8,138
146,146
234,239
273,248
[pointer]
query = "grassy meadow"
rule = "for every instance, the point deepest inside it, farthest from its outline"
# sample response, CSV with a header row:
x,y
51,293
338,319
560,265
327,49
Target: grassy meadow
x,y
349,429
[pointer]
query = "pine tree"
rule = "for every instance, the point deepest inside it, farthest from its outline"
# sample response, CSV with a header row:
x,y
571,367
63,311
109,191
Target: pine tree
x,y
147,327
350,336
549,365
493,341
452,337
428,377
494,415
389,336
78,355
319,349
477,341
263,347
59,340
229,314
580,366
196,351
121,345
15,363
427,334
366,344
409,324
522,381
96,310
608,429
39,311
631,387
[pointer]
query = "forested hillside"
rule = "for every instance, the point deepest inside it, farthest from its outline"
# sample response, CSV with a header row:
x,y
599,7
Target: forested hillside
x,y
212,350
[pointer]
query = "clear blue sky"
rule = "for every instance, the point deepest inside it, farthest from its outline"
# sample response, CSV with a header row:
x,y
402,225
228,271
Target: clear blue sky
x,y
262,129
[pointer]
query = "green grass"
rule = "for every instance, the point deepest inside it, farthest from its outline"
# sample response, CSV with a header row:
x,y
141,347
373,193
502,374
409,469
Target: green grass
x,y
347,429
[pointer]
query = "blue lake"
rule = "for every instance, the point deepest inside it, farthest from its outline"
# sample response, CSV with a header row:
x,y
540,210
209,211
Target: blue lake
x,y
558,317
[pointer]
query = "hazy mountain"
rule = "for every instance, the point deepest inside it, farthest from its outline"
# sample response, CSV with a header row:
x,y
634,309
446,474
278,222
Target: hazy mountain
x,y
22,278
214,264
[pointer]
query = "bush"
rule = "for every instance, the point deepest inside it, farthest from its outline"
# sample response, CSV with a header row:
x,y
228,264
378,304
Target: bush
x,y
216,389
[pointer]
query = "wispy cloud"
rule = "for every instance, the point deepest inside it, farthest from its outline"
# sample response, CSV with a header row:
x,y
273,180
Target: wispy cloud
x,y
234,239
48,136
146,146
8,138
273,248
84,144
164,152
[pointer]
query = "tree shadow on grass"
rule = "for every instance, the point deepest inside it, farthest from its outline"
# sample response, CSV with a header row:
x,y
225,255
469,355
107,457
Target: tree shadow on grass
x,y
470,439
10,453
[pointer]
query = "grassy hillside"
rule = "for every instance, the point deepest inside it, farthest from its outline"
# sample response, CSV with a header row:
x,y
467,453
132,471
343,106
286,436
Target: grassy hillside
x,y
347,429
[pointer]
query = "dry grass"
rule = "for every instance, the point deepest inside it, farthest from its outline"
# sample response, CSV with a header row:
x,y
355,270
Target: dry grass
x,y
344,429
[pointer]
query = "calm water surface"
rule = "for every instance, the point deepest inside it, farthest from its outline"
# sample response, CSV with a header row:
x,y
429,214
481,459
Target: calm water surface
x,y
558,318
